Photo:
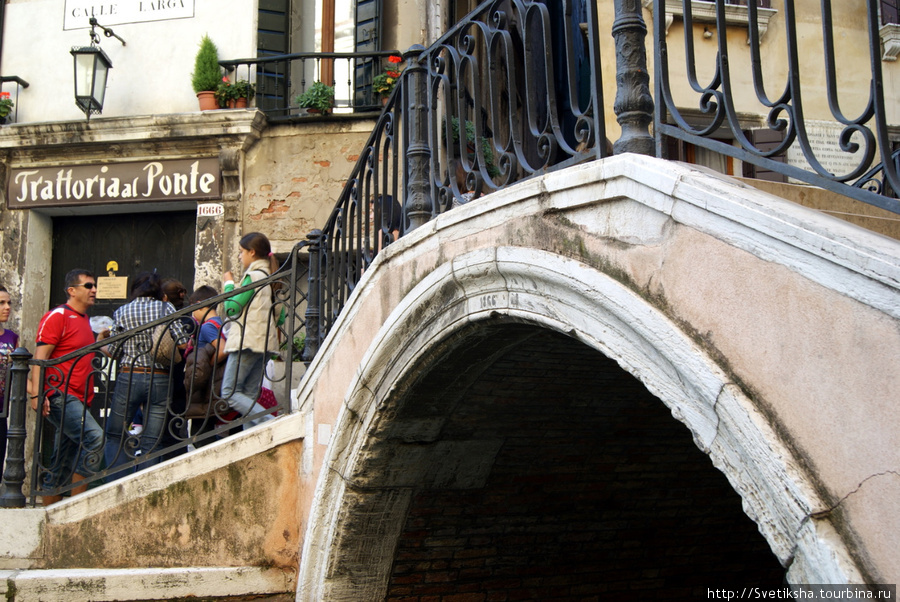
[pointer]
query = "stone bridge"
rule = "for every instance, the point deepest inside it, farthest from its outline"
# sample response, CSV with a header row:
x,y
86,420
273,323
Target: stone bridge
x,y
627,374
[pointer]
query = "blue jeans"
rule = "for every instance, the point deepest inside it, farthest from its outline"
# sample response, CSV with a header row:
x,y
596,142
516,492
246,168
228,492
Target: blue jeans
x,y
135,390
78,442
241,383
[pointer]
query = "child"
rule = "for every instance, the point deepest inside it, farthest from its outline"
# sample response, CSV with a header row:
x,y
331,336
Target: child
x,y
251,331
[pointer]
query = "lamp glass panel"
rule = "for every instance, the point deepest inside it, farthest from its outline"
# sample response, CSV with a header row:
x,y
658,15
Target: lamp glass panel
x,y
84,74
102,71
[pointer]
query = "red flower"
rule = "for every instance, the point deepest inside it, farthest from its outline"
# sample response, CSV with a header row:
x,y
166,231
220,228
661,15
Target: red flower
x,y
394,74
225,79
4,94
395,59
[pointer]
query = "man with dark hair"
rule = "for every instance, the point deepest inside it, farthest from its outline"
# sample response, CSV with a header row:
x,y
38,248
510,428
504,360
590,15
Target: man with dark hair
x,y
65,395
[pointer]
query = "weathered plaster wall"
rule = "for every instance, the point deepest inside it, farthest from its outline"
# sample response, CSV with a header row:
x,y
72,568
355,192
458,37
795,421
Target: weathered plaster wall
x,y
244,514
293,177
234,503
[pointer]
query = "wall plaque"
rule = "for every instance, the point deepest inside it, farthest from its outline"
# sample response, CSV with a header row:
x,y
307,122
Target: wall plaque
x,y
173,180
824,140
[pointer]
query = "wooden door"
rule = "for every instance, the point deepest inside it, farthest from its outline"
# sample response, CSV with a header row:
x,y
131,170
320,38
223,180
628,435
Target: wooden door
x,y
136,242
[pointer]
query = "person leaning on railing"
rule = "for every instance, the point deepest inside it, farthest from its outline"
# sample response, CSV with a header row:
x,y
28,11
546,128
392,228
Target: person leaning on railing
x,y
250,333
204,366
142,381
68,387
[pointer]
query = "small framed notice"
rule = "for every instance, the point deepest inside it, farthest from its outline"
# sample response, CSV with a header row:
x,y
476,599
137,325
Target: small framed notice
x,y
112,287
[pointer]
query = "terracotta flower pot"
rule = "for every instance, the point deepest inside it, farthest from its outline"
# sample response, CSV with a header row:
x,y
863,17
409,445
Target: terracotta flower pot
x,y
207,100
240,103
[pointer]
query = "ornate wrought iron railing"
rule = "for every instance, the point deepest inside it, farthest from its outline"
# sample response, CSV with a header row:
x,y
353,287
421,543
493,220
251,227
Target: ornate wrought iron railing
x,y
195,413
510,92
850,139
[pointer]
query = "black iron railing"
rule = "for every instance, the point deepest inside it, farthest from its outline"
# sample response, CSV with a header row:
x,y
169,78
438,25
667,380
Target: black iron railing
x,y
855,138
510,92
280,79
195,413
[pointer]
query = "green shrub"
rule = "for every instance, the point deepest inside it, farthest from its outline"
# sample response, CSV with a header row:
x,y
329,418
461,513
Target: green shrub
x,y
318,96
207,73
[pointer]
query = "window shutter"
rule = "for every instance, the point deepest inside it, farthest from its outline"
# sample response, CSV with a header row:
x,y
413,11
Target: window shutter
x,y
367,39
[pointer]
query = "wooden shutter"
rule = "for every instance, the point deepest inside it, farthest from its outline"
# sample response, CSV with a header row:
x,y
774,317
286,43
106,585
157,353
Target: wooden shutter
x,y
367,38
273,38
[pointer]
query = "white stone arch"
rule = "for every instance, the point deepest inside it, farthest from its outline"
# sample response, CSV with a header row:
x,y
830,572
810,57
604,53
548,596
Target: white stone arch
x,y
568,296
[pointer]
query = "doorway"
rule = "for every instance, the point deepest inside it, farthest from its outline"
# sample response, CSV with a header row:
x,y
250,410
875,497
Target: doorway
x,y
136,242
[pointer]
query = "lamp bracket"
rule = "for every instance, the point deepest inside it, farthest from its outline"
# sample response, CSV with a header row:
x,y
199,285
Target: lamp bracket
x,y
109,33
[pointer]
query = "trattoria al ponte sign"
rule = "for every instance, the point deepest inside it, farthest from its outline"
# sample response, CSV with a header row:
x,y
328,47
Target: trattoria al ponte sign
x,y
137,182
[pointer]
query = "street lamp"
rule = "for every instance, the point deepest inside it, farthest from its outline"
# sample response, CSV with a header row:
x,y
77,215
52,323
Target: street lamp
x,y
91,70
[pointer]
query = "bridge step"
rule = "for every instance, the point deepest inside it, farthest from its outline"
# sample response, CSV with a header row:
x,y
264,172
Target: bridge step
x,y
121,585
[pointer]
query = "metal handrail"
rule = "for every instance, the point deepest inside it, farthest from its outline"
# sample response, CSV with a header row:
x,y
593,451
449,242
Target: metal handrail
x,y
279,79
215,420
448,134
865,132
20,84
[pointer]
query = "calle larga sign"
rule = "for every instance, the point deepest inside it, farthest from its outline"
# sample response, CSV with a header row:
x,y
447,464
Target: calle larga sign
x,y
69,185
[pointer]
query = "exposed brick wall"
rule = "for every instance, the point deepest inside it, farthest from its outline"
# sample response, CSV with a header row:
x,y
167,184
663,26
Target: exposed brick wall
x,y
597,494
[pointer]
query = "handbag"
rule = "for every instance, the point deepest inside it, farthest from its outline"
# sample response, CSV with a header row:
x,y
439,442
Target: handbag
x,y
165,351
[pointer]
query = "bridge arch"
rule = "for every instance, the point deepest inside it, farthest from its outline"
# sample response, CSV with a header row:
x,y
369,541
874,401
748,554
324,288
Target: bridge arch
x,y
387,441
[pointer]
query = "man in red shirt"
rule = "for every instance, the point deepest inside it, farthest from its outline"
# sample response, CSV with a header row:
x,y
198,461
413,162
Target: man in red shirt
x,y
65,395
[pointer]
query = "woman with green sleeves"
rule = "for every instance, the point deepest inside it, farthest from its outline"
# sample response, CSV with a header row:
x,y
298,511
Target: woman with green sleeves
x,y
251,332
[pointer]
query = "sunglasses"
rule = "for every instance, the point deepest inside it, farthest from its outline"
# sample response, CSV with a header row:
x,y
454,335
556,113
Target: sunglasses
x,y
87,285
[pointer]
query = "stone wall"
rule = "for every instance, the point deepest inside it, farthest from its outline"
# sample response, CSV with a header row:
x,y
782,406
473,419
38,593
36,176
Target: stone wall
x,y
294,175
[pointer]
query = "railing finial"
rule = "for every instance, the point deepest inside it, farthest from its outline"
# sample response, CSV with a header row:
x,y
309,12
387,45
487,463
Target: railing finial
x,y
14,477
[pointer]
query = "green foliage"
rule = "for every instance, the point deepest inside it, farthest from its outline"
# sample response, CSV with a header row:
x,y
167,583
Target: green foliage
x,y
244,89
297,348
207,73
383,83
486,149
6,104
318,96
225,92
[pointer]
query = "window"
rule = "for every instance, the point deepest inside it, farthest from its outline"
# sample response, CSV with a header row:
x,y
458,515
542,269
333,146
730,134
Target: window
x,y
889,12
736,13
890,29
760,3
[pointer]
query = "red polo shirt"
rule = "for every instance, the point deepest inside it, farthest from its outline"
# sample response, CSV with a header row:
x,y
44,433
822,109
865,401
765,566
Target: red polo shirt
x,y
69,331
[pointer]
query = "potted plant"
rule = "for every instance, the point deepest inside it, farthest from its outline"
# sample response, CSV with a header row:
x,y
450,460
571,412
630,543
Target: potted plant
x,y
318,98
207,74
225,93
244,92
6,105
383,83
